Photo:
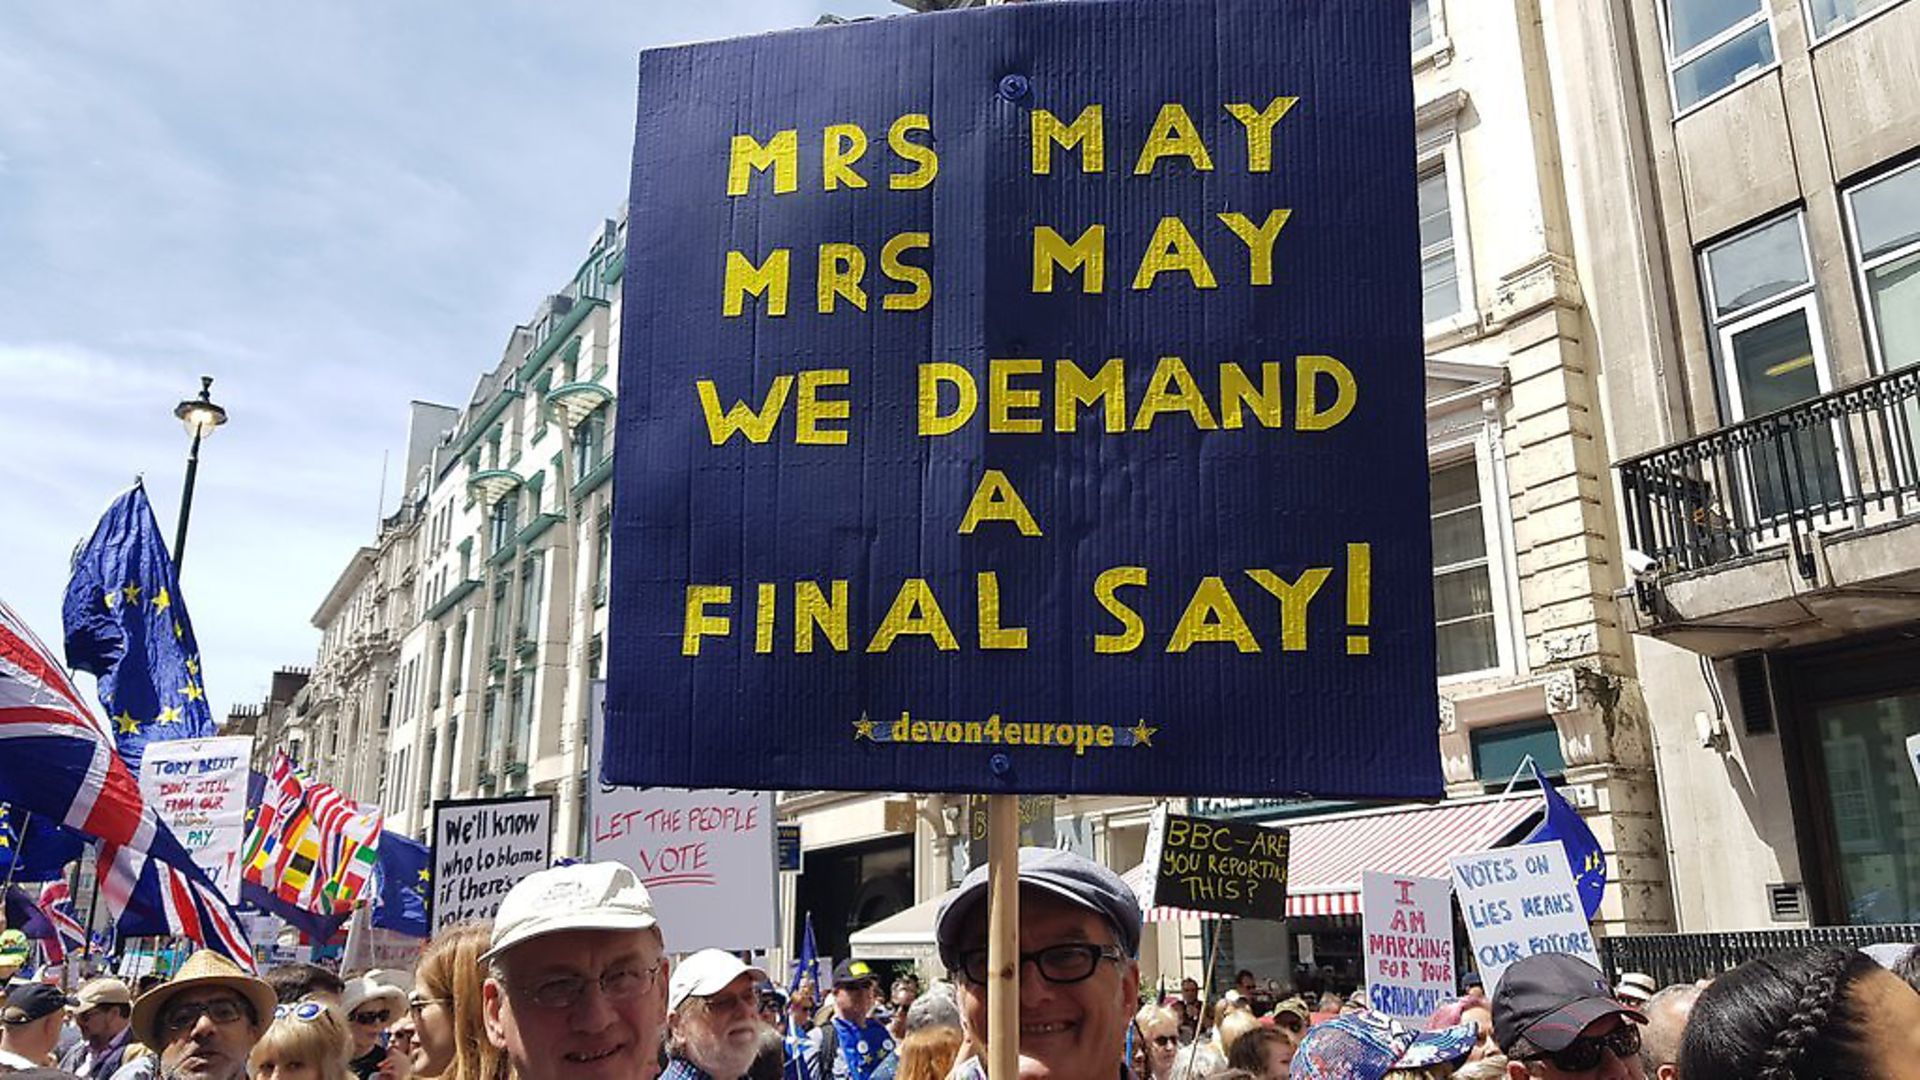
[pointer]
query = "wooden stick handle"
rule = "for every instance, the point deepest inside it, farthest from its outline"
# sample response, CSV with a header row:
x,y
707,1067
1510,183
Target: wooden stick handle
x,y
1003,937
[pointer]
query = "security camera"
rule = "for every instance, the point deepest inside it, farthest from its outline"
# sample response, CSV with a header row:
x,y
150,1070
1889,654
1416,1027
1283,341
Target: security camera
x,y
1640,563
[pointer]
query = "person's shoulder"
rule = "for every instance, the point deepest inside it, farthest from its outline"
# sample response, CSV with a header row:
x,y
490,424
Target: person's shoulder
x,y
132,1068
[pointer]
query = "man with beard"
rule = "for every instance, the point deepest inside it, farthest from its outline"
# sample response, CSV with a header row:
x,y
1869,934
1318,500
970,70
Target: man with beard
x,y
714,1028
202,1023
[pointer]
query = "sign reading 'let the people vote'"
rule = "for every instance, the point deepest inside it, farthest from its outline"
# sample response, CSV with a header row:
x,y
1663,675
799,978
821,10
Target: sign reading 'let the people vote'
x,y
1027,399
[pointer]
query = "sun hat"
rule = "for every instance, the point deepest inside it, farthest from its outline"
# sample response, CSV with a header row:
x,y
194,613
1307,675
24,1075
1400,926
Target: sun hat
x,y
1071,877
370,987
706,973
203,969
1549,999
581,896
13,947
1368,1045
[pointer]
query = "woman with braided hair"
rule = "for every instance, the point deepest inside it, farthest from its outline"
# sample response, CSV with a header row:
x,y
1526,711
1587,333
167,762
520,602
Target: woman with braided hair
x,y
1804,1014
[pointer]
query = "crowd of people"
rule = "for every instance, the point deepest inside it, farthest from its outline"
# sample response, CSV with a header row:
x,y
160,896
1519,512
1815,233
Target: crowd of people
x,y
572,980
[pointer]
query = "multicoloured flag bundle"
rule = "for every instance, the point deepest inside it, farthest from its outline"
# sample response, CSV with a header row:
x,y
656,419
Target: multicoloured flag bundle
x,y
311,846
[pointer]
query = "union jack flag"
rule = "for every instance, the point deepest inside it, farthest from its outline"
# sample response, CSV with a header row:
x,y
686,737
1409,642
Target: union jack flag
x,y
57,906
57,758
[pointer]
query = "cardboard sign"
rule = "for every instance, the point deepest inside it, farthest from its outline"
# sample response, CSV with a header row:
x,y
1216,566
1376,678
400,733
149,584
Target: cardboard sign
x,y
1027,399
199,788
1518,901
1226,867
706,858
1037,828
1913,755
1407,923
481,847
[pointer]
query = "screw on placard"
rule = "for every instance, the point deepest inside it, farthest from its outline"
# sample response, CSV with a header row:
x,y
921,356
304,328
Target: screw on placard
x,y
1015,87
1000,764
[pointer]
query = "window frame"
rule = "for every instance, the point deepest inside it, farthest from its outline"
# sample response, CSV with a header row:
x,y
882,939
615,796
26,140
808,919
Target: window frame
x,y
1439,151
1437,41
1675,63
1862,267
1815,37
1724,327
1457,452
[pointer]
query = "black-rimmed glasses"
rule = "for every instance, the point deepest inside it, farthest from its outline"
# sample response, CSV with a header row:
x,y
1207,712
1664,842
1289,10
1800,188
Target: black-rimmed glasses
x,y
1060,964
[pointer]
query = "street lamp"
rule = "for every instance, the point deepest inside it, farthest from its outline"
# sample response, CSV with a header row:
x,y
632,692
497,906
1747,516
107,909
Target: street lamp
x,y
201,416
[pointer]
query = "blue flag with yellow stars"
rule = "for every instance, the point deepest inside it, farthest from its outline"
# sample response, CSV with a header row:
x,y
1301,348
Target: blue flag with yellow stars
x,y
34,847
127,624
1564,823
405,878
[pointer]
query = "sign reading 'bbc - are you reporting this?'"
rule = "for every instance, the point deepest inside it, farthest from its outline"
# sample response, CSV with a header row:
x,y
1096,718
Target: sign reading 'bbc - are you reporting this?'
x,y
1027,399
481,848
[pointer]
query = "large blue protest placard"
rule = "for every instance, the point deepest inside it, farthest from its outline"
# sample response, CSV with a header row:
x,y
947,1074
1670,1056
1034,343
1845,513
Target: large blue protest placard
x,y
1027,399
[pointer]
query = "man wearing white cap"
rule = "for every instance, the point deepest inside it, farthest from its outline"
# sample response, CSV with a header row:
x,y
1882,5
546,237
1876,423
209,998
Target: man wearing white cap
x,y
103,1010
577,976
714,1031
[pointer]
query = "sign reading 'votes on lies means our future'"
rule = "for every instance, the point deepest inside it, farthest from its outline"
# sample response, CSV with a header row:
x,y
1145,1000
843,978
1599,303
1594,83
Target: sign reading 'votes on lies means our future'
x,y
1027,399
481,848
1518,901
1226,867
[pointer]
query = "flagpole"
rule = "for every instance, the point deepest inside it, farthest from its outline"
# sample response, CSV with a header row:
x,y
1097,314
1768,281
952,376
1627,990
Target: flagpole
x,y
20,845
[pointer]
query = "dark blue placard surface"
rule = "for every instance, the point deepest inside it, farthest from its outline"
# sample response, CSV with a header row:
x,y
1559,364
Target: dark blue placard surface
x,y
1344,705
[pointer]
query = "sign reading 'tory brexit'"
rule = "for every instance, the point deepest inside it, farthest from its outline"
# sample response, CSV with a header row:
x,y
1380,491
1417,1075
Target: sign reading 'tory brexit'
x,y
1027,399
1519,901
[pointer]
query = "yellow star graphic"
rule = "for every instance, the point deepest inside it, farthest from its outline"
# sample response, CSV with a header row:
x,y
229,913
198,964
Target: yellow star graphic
x,y
178,631
5,840
425,874
193,665
192,692
162,601
132,593
1142,734
126,723
863,728
169,715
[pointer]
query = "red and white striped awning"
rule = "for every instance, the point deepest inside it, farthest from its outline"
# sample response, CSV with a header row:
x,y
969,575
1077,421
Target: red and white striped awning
x,y
1327,856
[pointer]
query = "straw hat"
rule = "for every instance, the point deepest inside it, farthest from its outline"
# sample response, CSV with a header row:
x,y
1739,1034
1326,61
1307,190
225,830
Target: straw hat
x,y
203,969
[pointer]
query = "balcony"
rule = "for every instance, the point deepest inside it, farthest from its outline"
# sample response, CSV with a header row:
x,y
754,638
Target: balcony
x,y
1799,526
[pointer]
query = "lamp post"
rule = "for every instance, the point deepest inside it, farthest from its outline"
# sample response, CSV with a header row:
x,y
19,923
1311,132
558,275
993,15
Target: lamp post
x,y
201,416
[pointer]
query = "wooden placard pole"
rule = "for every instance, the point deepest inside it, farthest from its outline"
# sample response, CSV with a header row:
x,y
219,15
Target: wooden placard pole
x,y
1211,958
1003,937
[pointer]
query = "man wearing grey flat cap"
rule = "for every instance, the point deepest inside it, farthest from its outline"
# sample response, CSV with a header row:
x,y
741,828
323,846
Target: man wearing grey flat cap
x,y
1079,980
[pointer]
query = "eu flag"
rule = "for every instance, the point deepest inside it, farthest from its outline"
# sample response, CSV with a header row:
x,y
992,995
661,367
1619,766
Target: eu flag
x,y
1564,824
34,847
127,624
404,876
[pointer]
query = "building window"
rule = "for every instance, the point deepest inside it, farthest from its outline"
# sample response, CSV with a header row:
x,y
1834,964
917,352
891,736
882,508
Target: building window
x,y
602,558
1422,24
1500,752
590,443
531,581
1465,629
1760,299
1831,15
520,735
504,523
1439,272
1714,44
497,640
1885,214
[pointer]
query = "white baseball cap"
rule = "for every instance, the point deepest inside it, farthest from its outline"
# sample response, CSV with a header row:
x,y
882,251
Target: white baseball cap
x,y
706,973
583,896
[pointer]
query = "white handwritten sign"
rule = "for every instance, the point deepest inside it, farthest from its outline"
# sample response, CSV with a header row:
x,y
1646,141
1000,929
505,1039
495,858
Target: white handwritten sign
x,y
1519,901
707,858
1408,925
199,788
481,847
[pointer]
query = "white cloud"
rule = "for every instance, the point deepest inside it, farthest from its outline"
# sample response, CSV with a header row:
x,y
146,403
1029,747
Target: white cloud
x,y
334,209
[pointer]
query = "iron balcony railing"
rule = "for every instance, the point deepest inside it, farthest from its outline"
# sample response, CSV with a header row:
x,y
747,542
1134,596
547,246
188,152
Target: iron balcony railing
x,y
1843,460
1676,958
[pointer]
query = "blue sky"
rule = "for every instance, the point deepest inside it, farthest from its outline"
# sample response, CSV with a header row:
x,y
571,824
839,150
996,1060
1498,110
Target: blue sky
x,y
331,208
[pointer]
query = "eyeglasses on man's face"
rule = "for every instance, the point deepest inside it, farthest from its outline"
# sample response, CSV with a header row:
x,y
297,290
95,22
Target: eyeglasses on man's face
x,y
1059,964
188,1013
616,984
1585,1053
